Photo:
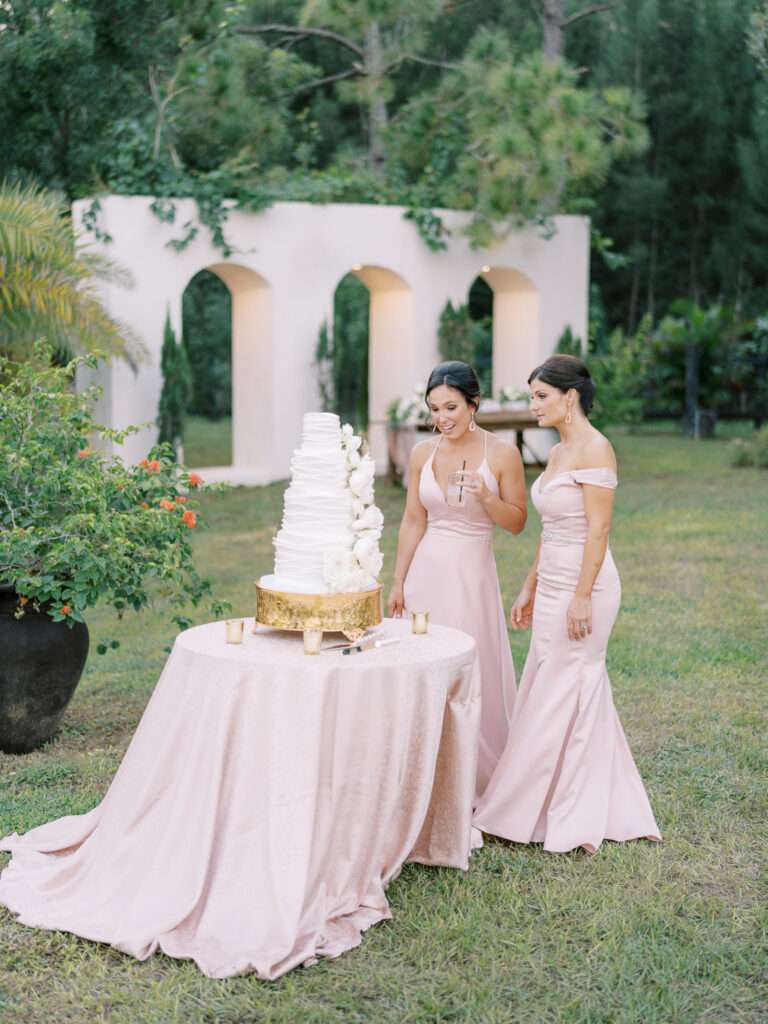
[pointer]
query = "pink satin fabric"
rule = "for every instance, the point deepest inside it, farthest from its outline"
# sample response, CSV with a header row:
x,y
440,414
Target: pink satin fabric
x,y
453,576
567,777
265,802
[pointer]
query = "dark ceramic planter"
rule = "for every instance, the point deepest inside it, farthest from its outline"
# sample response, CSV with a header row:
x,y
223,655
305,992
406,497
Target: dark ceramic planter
x,y
40,666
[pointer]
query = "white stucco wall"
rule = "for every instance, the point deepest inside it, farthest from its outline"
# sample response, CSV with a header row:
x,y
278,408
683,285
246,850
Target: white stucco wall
x,y
289,261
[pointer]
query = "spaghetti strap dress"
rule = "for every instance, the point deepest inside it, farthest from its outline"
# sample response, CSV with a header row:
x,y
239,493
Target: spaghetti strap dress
x,y
567,778
453,576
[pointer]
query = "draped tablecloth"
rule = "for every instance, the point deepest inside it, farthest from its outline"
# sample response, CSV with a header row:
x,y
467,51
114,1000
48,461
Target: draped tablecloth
x,y
265,802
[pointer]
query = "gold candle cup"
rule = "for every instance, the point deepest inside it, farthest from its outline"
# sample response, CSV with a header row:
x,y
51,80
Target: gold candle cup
x,y
313,639
234,630
420,623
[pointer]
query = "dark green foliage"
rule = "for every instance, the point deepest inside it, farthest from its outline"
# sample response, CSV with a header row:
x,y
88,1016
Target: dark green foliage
x,y
692,214
690,360
460,336
177,388
620,372
569,344
207,336
342,360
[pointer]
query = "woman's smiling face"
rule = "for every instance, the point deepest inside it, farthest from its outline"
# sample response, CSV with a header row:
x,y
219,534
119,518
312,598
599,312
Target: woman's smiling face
x,y
450,410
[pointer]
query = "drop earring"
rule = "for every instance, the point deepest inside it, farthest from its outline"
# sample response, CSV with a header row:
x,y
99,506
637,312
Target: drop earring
x,y
568,415
472,424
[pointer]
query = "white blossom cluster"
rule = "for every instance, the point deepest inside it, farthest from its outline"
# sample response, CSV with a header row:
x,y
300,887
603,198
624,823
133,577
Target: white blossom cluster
x,y
357,566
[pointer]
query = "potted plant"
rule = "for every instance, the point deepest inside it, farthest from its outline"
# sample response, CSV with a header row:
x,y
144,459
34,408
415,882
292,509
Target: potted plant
x,y
76,527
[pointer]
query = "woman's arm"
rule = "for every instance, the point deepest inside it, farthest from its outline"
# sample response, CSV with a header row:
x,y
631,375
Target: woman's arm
x,y
509,510
412,528
521,615
598,506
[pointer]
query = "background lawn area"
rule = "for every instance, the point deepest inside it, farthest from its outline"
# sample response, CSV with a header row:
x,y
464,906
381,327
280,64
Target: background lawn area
x,y
639,932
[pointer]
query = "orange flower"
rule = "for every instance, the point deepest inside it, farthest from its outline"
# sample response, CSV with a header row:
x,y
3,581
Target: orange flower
x,y
22,599
167,505
154,466
65,609
180,499
190,519
84,453
194,479
144,464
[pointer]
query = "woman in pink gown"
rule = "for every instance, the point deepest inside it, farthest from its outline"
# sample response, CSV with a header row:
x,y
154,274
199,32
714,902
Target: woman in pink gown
x,y
566,777
445,563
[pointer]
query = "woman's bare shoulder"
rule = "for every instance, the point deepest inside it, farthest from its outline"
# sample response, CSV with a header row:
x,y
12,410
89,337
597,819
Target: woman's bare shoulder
x,y
421,452
502,455
597,452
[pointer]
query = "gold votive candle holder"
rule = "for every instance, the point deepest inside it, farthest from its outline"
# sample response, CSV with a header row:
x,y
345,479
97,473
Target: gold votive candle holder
x,y
420,623
313,639
234,631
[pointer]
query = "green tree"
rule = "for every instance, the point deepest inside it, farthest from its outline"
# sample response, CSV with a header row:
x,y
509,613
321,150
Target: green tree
x,y
176,391
377,37
341,357
48,283
681,211
690,349
462,337
70,72
514,139
207,338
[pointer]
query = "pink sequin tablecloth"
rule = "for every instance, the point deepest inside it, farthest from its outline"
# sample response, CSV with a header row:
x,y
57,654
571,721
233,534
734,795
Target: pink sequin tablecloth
x,y
265,802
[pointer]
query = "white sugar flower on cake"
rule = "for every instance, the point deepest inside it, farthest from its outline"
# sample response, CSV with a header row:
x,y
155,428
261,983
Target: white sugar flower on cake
x,y
358,565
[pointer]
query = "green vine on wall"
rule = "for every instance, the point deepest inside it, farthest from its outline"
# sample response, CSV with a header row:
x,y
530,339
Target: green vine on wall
x,y
218,193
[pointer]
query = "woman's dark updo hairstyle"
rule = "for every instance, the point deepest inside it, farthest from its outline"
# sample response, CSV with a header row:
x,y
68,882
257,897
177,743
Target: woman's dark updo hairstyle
x,y
457,375
565,372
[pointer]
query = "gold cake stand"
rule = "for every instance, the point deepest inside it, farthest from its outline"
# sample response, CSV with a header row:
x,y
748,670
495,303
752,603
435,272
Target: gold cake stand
x,y
350,614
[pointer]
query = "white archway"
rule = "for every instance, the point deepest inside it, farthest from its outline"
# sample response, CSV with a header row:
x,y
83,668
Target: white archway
x,y
288,260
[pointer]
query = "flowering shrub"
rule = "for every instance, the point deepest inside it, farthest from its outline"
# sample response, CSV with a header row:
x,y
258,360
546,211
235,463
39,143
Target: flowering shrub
x,y
77,526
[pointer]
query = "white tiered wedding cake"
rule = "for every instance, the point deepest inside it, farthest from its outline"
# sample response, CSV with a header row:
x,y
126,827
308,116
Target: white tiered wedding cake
x,y
329,537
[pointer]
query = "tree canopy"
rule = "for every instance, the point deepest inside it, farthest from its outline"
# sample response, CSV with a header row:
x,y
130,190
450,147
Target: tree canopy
x,y
650,115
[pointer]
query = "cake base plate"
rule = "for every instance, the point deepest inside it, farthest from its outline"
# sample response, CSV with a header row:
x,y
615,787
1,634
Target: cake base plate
x,y
350,614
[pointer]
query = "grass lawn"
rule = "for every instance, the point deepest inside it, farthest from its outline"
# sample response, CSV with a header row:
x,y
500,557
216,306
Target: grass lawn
x,y
672,933
207,442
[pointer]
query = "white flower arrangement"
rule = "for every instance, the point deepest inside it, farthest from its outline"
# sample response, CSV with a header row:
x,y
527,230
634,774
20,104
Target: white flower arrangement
x,y
358,565
403,412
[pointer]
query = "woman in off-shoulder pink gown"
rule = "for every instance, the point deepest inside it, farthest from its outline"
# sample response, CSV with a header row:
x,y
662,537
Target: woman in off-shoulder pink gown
x,y
567,778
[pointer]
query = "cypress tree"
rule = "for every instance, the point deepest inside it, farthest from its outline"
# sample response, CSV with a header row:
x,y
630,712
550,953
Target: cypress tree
x,y
177,389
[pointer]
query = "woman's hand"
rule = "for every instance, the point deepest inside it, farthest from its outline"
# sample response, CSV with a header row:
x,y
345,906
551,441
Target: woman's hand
x,y
475,485
521,615
579,617
396,602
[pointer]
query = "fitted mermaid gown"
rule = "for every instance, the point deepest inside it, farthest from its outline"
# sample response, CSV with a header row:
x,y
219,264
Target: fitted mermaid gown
x,y
453,576
566,777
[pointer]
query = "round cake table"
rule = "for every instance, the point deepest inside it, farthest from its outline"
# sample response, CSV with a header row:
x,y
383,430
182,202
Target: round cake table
x,y
265,802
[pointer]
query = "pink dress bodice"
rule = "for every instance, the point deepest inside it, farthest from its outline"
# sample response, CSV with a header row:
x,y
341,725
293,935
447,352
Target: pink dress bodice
x,y
560,502
469,520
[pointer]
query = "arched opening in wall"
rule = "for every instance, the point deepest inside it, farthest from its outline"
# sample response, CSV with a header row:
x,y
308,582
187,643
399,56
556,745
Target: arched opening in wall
x,y
364,354
207,334
226,329
515,327
465,332
342,353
